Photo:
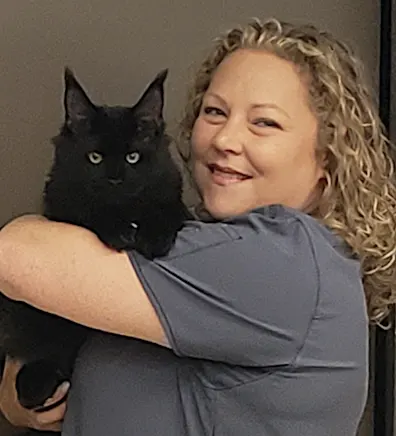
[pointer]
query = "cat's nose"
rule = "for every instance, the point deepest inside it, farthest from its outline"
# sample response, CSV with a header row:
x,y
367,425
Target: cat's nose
x,y
115,181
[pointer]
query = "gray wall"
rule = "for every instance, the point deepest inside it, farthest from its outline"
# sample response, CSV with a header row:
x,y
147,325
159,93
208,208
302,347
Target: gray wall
x,y
115,48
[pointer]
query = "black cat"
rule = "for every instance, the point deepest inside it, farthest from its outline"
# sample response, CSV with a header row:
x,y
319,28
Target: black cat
x,y
113,174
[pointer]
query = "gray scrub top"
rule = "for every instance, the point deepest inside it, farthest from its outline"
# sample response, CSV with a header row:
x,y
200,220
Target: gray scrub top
x,y
266,321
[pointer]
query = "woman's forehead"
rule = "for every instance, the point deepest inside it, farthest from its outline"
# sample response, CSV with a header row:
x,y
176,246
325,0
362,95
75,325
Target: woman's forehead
x,y
259,78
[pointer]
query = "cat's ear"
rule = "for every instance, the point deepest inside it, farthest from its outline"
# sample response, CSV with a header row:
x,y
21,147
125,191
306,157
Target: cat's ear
x,y
151,103
79,109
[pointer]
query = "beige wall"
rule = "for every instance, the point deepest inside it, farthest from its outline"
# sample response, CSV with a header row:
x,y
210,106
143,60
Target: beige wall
x,y
115,48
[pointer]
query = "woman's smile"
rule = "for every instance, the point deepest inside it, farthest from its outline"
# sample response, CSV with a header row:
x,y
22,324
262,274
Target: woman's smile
x,y
225,175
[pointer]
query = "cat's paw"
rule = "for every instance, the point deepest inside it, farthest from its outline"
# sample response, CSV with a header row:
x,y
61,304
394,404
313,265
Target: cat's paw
x,y
120,243
154,247
36,382
123,239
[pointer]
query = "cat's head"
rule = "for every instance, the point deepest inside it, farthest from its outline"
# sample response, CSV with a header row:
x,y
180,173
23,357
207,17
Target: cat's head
x,y
110,150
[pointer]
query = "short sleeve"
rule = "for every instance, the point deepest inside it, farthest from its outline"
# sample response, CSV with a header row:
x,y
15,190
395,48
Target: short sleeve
x,y
241,291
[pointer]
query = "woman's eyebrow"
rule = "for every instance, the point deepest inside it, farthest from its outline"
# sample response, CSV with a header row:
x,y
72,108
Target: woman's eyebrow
x,y
269,106
252,106
217,97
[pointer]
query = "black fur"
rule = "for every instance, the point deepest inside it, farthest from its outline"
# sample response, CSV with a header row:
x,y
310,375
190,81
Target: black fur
x,y
113,174
113,196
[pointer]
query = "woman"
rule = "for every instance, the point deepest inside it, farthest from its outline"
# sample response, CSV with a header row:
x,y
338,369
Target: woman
x,y
256,323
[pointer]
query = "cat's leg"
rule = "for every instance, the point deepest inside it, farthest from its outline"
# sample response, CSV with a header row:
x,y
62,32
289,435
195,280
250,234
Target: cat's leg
x,y
37,381
31,432
2,363
156,240
156,237
154,246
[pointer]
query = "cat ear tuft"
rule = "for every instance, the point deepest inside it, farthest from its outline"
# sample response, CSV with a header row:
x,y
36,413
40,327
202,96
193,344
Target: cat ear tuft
x,y
161,77
78,107
151,104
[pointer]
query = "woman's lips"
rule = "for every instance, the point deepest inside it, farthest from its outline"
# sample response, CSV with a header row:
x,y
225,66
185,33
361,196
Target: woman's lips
x,y
225,176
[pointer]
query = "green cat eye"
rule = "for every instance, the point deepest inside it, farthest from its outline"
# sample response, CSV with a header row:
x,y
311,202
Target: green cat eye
x,y
95,157
132,158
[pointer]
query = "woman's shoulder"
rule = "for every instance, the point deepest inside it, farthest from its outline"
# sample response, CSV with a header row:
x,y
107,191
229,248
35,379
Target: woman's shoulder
x,y
285,227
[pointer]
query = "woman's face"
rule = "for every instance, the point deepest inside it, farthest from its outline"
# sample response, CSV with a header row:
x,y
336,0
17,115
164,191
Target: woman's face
x,y
254,141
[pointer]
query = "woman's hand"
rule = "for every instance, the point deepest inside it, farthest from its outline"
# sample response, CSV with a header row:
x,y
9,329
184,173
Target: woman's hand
x,y
21,417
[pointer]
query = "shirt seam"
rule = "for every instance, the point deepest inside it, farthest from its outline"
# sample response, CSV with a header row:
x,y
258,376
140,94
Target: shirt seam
x,y
230,237
318,278
292,363
252,380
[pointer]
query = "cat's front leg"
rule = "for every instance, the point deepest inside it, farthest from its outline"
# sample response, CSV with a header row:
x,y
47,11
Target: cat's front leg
x,y
153,242
37,381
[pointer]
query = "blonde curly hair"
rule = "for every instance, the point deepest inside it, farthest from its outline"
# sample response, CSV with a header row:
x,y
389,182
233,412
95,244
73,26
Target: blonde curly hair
x,y
359,194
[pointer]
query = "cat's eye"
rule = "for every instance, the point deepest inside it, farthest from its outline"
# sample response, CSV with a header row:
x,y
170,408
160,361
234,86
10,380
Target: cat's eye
x,y
95,157
132,158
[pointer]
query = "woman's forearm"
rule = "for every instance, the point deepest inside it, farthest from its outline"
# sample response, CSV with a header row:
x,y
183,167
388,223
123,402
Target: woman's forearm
x,y
67,271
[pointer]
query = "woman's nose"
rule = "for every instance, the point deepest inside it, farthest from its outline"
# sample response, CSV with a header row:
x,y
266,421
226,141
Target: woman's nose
x,y
228,139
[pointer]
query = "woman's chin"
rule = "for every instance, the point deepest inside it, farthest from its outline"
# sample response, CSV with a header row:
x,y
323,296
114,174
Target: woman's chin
x,y
221,210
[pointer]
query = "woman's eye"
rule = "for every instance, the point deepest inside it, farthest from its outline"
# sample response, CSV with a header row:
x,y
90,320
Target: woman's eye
x,y
211,110
132,158
95,157
266,122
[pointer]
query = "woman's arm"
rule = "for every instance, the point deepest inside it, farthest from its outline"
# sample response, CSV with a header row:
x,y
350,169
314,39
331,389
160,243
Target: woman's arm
x,y
68,271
